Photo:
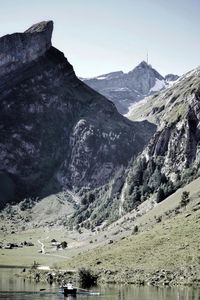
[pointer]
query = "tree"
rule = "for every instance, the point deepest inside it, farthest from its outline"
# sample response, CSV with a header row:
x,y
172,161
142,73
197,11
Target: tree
x,y
168,188
64,245
86,278
185,198
136,195
155,179
135,229
160,195
84,201
91,198
137,173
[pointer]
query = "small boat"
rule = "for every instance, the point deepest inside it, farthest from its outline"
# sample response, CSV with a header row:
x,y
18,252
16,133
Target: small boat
x,y
68,289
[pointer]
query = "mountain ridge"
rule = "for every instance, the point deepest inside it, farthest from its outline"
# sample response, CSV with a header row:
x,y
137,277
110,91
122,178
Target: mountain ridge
x,y
56,132
171,158
124,89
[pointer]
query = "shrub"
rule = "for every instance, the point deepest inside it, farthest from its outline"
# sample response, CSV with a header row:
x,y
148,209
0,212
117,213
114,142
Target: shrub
x,y
86,278
158,219
135,229
160,195
26,204
64,244
185,198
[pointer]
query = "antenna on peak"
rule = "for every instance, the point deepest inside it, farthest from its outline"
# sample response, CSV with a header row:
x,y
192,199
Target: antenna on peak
x,y
147,58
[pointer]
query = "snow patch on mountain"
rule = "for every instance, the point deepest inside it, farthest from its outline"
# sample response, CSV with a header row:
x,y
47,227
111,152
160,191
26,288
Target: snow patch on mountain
x,y
125,89
159,85
136,105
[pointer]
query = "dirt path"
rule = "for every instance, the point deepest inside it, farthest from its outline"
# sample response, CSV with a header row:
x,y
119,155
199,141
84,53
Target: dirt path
x,y
42,245
49,254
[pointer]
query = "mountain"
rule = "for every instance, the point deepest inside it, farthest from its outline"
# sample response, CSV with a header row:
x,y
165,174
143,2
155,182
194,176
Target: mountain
x,y
57,134
124,89
172,157
171,77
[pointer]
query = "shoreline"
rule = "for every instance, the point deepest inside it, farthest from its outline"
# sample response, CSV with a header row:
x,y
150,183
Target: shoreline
x,y
152,278
139,277
14,267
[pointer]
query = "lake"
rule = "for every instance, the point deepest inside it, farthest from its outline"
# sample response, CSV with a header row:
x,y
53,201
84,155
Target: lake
x,y
12,287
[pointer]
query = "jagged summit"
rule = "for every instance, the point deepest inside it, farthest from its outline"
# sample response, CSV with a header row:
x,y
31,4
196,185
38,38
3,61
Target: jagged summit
x,y
143,64
144,68
124,89
18,49
171,77
41,27
56,132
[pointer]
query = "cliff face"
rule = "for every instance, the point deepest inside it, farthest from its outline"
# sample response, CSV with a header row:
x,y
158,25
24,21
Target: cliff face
x,y
176,111
172,155
178,142
56,132
22,48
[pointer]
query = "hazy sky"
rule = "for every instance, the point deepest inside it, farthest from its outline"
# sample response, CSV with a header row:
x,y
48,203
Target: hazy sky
x,y
100,36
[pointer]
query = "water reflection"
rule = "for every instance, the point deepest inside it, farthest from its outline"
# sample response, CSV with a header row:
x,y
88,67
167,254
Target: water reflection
x,y
14,288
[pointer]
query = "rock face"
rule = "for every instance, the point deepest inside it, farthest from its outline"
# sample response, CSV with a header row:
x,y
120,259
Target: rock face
x,y
172,156
56,132
124,89
178,137
22,48
171,77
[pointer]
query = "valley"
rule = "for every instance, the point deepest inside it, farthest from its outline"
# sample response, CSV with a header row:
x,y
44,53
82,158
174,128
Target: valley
x,y
81,185
167,239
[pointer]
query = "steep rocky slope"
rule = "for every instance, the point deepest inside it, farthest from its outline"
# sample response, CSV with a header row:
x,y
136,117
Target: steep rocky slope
x,y
56,133
172,156
124,89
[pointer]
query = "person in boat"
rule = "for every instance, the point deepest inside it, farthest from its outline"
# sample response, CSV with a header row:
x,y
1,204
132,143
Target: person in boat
x,y
70,286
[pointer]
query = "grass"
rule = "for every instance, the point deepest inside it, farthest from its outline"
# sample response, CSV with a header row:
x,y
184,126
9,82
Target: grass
x,y
27,255
172,243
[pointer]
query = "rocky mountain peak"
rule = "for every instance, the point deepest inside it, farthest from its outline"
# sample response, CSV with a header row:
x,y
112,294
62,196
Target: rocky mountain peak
x,y
18,49
143,64
144,68
171,77
44,26
56,133
125,89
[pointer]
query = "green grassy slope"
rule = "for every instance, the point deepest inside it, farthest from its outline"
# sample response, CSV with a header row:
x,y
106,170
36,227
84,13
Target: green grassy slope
x,y
170,242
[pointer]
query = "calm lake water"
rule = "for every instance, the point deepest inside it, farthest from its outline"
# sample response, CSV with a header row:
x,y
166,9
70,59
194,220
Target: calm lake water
x,y
12,287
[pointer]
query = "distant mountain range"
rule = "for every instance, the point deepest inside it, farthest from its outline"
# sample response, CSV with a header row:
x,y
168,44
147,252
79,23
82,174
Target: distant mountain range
x,y
125,89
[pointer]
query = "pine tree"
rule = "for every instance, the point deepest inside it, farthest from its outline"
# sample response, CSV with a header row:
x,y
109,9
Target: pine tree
x,y
185,198
160,195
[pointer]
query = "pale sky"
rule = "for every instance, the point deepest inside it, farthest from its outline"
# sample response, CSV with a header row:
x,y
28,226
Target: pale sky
x,y
101,36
